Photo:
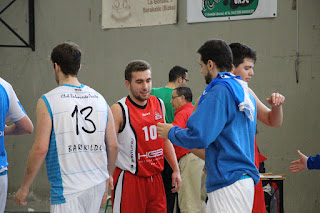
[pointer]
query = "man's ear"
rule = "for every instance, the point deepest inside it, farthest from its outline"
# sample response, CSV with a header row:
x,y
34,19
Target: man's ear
x,y
128,84
233,68
210,64
57,68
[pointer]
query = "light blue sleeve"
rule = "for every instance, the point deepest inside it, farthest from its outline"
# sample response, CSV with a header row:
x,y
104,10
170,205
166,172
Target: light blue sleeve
x,y
204,125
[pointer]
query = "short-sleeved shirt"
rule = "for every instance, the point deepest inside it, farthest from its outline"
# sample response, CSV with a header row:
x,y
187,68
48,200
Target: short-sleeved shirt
x,y
11,108
181,117
165,94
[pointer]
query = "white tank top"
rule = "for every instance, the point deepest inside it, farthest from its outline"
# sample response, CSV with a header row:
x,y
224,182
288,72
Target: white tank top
x,y
77,158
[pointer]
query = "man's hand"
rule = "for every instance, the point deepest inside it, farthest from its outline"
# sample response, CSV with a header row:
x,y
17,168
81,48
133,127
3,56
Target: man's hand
x,y
163,130
21,196
276,99
299,165
109,183
176,181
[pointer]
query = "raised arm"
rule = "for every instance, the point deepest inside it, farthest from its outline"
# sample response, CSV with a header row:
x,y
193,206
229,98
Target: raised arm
x,y
272,117
38,152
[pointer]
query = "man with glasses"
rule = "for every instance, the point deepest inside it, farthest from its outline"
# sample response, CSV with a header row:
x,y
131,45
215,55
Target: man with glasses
x,y
178,76
189,195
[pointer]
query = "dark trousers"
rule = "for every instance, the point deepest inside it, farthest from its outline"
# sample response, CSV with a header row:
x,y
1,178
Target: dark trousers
x,y
167,181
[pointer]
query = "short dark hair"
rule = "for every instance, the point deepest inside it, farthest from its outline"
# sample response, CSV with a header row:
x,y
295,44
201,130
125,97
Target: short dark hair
x,y
242,51
68,56
186,92
177,72
217,51
135,66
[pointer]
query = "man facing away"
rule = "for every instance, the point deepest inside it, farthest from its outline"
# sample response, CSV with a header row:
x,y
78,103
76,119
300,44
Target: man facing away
x,y
191,166
224,123
11,109
137,177
75,134
178,76
244,58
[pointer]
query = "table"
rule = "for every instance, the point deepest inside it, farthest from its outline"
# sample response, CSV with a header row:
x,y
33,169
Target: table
x,y
278,179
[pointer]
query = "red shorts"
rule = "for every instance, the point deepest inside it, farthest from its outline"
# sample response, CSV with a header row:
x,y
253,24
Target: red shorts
x,y
136,194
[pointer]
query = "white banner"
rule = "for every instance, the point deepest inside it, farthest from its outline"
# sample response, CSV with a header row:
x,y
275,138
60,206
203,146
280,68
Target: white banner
x,y
137,13
224,10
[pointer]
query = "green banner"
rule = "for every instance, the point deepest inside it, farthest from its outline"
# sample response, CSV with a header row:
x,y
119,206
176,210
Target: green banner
x,y
222,8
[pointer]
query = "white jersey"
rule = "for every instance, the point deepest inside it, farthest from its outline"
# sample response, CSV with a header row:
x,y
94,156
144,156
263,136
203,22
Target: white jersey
x,y
77,158
11,108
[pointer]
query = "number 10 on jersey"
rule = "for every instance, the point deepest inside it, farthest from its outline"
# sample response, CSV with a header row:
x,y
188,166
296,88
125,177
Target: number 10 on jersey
x,y
150,133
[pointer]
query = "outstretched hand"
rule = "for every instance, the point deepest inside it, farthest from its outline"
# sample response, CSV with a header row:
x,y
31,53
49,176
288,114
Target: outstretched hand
x,y
299,165
163,129
276,99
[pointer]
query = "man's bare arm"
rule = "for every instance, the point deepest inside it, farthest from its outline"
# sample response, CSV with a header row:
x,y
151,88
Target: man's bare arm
x,y
38,152
20,127
112,152
272,117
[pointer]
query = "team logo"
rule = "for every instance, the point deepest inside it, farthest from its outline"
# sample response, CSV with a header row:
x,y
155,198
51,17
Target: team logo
x,y
157,116
151,154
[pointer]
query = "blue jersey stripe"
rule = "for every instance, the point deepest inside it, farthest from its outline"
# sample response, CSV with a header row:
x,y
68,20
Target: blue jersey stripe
x,y
4,107
53,171
48,106
53,167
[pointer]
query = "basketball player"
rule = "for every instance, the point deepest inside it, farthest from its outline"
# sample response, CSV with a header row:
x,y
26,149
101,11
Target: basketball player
x,y
75,133
137,177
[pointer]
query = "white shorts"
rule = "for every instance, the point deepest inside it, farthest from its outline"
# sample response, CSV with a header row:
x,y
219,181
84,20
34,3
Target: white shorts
x,y
87,201
3,191
237,197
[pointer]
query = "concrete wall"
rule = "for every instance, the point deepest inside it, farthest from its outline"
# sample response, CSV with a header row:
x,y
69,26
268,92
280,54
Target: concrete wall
x,y
106,53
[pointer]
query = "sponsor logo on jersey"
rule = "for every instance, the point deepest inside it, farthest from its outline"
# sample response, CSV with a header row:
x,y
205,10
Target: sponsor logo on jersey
x,y
151,154
1,133
157,116
145,114
79,90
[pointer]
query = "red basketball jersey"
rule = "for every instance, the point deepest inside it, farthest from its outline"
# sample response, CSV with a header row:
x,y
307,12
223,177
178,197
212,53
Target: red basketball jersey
x,y
141,151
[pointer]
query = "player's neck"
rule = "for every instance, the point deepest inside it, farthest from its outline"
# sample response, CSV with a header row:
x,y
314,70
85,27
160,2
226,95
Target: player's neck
x,y
136,101
70,80
171,85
